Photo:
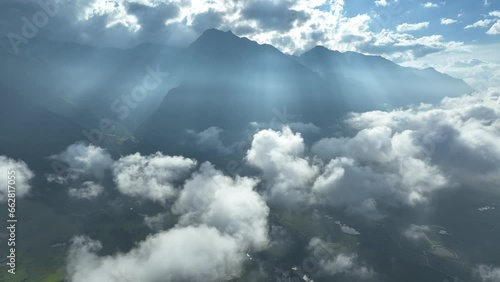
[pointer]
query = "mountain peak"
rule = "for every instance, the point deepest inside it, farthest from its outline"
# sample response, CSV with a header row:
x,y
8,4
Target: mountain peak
x,y
211,36
217,43
321,49
217,32
430,69
218,39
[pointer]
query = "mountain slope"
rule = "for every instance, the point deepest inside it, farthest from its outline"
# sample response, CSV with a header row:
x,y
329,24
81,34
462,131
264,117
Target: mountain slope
x,y
71,78
372,82
220,80
229,82
30,131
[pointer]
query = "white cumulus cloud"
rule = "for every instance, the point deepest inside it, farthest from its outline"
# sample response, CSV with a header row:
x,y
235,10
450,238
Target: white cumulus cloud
x,y
430,5
231,205
480,23
280,157
446,21
220,218
412,27
152,177
494,29
190,253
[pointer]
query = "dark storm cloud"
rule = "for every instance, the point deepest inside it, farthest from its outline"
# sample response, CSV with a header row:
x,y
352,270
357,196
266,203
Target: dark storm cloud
x,y
152,19
291,26
206,20
62,23
272,15
121,25
244,30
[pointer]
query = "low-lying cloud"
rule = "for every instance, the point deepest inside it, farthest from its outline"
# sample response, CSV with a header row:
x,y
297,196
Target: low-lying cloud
x,y
332,264
192,253
394,158
80,160
220,219
398,157
488,273
88,190
230,205
151,177
280,155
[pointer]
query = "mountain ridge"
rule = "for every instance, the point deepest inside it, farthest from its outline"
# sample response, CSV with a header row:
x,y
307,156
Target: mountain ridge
x,y
216,31
229,82
219,80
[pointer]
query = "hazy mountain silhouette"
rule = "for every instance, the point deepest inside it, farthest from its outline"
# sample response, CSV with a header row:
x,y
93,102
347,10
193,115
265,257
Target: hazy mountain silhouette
x,y
71,78
372,82
219,80
228,82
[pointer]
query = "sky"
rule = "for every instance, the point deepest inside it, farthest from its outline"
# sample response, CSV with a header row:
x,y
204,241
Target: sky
x,y
457,37
398,158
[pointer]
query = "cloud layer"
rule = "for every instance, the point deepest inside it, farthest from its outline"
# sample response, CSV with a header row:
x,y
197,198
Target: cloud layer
x,y
292,26
220,219
393,158
396,158
199,253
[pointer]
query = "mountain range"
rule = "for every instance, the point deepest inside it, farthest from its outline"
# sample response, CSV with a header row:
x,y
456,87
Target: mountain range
x,y
160,93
